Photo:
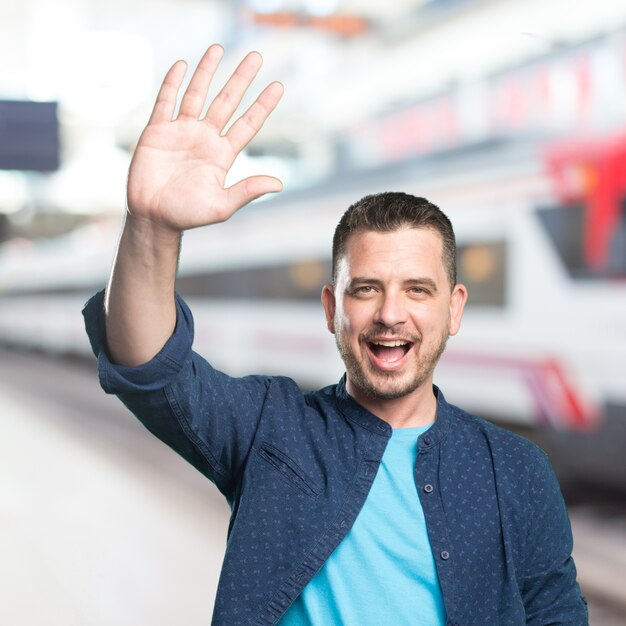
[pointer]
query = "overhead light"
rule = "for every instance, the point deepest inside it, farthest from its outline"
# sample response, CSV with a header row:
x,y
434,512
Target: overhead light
x,y
266,6
321,8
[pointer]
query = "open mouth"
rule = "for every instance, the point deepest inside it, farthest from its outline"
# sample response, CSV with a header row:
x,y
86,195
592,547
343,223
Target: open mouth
x,y
389,352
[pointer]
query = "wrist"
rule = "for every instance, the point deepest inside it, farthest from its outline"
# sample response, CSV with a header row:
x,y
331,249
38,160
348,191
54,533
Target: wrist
x,y
148,230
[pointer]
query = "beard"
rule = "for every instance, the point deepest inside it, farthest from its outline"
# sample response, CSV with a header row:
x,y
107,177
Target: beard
x,y
390,385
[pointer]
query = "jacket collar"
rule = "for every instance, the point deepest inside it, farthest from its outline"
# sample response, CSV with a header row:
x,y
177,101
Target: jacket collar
x,y
353,411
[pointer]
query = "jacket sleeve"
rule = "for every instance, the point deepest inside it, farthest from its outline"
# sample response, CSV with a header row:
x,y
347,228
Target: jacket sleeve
x,y
550,592
209,418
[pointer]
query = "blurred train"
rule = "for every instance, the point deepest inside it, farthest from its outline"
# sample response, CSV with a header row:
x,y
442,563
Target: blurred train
x,y
541,247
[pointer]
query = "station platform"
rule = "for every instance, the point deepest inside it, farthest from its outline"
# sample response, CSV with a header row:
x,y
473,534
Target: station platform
x,y
99,529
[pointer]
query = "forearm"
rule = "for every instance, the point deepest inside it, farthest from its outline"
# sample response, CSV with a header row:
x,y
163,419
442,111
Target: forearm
x,y
139,306
177,182
549,588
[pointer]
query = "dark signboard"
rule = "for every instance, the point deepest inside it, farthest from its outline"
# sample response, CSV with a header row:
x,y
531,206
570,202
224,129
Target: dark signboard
x,y
29,135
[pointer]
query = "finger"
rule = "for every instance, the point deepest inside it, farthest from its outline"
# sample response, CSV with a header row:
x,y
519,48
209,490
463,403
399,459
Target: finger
x,y
227,101
249,189
196,92
249,124
165,104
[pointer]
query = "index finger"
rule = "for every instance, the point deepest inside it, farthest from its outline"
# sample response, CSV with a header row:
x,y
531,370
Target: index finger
x,y
249,124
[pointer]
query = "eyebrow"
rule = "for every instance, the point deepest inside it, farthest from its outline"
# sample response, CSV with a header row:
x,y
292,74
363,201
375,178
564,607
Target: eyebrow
x,y
413,282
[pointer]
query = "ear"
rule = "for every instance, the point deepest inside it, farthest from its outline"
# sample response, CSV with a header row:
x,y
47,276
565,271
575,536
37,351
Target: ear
x,y
329,304
458,298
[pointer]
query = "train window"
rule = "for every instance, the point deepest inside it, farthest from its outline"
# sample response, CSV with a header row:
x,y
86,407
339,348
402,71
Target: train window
x,y
590,247
564,226
482,268
301,280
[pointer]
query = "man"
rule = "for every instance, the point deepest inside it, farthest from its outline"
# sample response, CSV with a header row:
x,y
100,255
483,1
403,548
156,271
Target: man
x,y
372,501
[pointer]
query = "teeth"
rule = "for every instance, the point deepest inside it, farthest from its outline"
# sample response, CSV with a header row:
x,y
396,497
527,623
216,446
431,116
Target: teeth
x,y
391,344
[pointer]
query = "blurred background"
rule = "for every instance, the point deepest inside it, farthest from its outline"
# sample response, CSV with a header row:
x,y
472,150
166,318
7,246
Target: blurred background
x,y
509,115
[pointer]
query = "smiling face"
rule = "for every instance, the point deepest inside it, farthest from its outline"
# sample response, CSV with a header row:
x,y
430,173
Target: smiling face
x,y
392,309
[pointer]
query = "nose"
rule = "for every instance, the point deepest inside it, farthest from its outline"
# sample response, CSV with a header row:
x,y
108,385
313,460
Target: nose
x,y
391,311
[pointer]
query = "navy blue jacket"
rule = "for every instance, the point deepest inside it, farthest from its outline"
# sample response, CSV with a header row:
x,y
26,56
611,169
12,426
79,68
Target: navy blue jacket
x,y
296,469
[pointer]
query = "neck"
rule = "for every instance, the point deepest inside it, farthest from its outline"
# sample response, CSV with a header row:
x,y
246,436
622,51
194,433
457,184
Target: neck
x,y
417,408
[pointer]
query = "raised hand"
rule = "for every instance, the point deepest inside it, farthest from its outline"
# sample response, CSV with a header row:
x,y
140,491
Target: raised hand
x,y
177,174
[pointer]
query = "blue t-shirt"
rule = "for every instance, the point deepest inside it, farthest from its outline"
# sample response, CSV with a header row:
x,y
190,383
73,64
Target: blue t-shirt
x,y
383,572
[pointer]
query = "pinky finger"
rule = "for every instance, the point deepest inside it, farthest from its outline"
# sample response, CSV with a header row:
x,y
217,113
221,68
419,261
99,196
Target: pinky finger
x,y
165,104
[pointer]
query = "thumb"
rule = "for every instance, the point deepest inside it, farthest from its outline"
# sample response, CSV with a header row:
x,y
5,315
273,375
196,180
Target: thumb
x,y
250,189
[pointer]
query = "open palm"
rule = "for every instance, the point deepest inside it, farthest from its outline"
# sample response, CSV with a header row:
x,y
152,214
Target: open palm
x,y
178,170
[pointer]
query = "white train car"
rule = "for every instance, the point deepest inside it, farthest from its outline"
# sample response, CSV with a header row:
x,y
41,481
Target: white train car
x,y
543,341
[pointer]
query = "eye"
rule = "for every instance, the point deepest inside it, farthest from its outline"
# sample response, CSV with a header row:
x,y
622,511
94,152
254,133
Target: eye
x,y
363,290
419,291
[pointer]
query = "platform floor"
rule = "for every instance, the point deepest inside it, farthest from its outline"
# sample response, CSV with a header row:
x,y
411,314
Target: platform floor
x,y
99,530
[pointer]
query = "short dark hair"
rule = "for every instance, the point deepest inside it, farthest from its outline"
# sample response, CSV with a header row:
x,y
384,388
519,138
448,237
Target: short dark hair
x,y
390,211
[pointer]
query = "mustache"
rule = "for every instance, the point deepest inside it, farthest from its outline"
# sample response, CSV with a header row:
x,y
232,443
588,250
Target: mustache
x,y
383,333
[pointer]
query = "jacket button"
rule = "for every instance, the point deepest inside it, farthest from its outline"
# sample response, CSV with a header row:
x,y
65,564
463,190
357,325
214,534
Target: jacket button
x,y
428,488
445,555
427,440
